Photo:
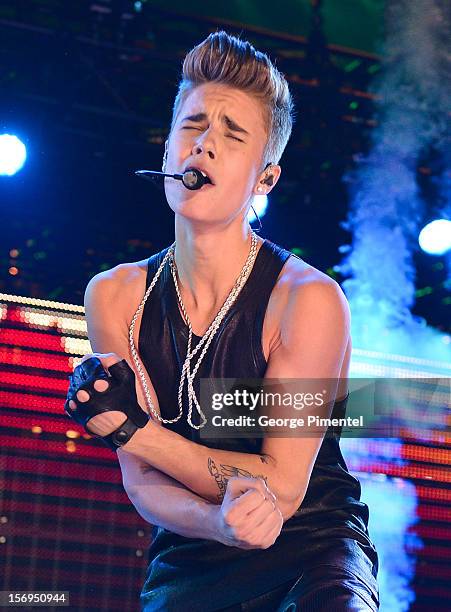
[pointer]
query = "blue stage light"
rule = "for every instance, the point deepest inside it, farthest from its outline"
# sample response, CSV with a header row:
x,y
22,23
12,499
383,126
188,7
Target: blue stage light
x,y
435,237
12,154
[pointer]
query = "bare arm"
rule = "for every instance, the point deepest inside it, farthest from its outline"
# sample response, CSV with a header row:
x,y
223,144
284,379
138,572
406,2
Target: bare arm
x,y
313,342
248,516
205,470
158,498
163,501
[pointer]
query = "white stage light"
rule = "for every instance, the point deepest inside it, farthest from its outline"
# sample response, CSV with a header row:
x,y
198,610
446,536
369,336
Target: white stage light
x,y
12,154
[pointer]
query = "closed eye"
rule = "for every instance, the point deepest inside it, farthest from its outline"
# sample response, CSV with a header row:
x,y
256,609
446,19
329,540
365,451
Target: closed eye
x,y
191,127
235,138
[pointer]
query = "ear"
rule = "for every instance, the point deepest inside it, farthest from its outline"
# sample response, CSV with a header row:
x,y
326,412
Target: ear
x,y
267,179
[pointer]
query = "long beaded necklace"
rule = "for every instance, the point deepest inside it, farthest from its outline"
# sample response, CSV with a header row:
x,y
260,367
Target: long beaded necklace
x,y
204,342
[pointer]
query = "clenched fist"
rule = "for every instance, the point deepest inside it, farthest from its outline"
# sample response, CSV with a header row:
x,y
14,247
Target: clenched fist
x,y
249,516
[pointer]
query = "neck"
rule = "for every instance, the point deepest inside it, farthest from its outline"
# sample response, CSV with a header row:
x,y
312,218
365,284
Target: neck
x,y
208,264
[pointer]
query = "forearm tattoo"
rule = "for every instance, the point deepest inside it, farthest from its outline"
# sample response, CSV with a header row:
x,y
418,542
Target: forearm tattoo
x,y
224,472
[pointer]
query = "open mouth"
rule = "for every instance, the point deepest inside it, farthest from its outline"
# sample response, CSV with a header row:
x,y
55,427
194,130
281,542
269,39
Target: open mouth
x,y
208,180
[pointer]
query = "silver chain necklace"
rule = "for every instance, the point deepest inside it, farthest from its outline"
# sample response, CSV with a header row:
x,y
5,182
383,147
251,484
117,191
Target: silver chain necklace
x,y
204,342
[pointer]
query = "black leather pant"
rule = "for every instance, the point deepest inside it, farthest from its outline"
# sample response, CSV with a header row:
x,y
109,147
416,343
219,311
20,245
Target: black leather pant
x,y
340,580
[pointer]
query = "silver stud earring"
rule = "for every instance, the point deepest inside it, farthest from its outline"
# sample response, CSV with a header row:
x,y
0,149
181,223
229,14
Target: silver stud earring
x,y
259,188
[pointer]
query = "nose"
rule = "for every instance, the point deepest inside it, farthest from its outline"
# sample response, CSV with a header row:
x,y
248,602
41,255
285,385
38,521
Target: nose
x,y
204,145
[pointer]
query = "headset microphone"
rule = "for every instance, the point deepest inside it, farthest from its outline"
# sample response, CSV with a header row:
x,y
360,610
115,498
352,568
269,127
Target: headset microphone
x,y
192,178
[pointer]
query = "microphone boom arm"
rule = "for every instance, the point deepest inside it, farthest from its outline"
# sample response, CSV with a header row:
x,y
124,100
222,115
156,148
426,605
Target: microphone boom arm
x,y
150,175
192,178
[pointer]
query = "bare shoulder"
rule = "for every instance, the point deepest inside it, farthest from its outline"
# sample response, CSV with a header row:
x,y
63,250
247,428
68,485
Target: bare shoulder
x,y
300,283
122,286
303,292
120,274
297,272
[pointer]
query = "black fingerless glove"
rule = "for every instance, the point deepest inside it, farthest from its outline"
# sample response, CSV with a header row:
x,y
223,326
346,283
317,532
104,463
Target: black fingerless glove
x,y
120,395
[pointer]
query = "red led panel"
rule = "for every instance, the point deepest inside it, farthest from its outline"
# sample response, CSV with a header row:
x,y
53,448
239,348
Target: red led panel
x,y
45,384
31,339
44,361
65,521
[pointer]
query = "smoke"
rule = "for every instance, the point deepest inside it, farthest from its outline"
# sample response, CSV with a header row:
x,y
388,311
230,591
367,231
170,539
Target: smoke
x,y
444,194
411,108
386,209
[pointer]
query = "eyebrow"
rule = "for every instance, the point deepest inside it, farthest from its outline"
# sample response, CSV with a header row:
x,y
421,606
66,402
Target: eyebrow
x,y
231,124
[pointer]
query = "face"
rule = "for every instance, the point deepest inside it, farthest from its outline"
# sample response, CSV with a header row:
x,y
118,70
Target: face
x,y
221,130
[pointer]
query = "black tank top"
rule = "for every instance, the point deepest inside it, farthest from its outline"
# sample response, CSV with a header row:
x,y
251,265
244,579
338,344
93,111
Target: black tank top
x,y
331,506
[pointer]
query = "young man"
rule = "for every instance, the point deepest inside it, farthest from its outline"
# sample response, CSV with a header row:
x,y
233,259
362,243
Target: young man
x,y
256,524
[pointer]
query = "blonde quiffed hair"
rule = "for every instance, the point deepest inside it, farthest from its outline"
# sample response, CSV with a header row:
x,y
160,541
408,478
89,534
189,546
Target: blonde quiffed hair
x,y
228,60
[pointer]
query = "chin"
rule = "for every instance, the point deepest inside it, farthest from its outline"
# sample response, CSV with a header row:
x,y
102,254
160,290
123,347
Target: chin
x,y
191,203
193,213
181,193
